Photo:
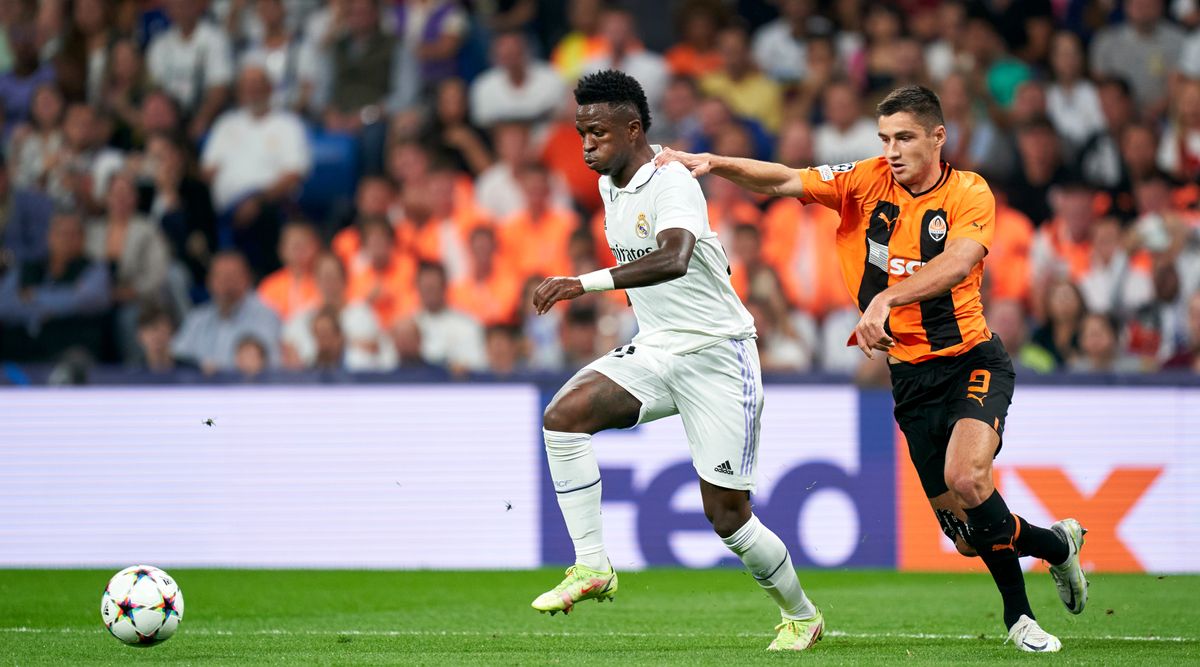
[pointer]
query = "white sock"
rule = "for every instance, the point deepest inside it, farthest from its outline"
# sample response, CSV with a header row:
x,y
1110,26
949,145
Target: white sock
x,y
576,476
771,565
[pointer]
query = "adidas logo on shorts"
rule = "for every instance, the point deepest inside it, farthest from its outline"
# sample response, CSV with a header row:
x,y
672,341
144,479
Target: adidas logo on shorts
x,y
724,468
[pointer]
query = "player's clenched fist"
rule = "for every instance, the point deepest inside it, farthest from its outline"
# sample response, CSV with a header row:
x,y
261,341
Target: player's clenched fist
x,y
870,331
697,163
553,290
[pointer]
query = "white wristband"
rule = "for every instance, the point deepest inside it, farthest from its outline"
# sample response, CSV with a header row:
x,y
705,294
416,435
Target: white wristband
x,y
597,281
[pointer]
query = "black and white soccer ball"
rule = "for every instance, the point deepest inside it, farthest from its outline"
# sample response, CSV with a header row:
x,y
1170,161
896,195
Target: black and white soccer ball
x,y
142,605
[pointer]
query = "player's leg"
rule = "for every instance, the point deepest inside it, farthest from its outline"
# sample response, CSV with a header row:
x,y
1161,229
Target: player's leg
x,y
615,391
991,529
719,394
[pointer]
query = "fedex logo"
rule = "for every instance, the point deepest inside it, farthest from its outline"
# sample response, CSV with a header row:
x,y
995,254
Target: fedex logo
x,y
899,266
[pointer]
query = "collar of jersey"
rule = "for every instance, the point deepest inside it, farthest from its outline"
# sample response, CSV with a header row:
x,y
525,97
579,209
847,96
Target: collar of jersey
x,y
640,177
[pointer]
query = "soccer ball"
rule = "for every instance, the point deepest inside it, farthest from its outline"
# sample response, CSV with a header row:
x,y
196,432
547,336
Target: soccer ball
x,y
142,605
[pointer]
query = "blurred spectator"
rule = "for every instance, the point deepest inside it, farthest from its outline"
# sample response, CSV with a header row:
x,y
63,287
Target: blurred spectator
x,y
35,146
779,348
80,65
449,337
1158,328
193,61
562,152
434,30
135,253
382,276
368,347
24,220
533,240
626,53
504,355
293,287
160,114
50,305
255,159
498,190
1142,51
1028,103
517,88
79,171
871,68
279,51
847,135
1099,348
155,327
715,118
373,75
1063,246
180,203
986,53
696,23
437,224
541,331
1059,334
800,243
729,207
1187,353
1006,319
28,74
1008,273
212,333
740,84
821,67
1179,149
251,357
946,52
1039,166
578,334
677,117
407,337
330,341
779,47
973,142
122,90
375,198
1072,102
583,41
491,287
1099,158
451,129
1115,283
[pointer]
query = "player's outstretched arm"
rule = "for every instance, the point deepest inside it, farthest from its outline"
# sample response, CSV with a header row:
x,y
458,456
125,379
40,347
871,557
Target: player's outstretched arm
x,y
769,178
668,262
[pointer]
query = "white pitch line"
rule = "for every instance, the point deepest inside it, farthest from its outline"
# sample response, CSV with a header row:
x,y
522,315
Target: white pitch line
x,y
549,634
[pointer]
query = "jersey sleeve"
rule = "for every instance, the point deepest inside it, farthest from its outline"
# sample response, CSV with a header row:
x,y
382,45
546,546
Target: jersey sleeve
x,y
679,203
976,216
827,185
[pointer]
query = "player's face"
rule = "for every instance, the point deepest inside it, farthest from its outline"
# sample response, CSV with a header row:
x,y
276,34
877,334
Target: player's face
x,y
607,140
912,152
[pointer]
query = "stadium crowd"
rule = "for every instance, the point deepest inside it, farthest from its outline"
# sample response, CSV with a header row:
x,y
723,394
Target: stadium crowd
x,y
230,186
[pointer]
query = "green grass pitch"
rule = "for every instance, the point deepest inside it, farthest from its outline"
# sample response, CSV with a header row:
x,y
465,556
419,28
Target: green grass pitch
x,y
712,617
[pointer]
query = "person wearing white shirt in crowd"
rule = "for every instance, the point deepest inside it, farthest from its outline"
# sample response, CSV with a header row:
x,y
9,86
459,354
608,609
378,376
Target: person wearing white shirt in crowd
x,y
280,52
779,46
498,190
368,347
846,135
449,337
1071,100
255,158
627,54
193,62
517,88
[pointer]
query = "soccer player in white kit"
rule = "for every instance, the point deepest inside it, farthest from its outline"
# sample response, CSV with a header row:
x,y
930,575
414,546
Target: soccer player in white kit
x,y
694,355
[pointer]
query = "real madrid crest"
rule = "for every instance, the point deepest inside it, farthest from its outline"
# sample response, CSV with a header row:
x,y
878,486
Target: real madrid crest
x,y
642,228
937,228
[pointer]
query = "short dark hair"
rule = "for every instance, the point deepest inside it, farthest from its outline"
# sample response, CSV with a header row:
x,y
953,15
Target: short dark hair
x,y
616,88
919,101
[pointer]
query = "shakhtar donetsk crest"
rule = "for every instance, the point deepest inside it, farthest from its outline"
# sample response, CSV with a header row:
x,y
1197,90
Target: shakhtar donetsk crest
x,y
643,226
937,228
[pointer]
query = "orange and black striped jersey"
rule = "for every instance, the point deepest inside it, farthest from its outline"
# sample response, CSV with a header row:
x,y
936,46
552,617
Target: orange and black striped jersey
x,y
888,232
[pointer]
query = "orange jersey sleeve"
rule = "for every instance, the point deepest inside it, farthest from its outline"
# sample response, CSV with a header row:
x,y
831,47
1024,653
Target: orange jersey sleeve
x,y
828,185
974,216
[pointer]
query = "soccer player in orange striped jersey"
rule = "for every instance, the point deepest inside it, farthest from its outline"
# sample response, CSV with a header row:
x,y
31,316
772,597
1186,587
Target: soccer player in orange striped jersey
x,y
913,235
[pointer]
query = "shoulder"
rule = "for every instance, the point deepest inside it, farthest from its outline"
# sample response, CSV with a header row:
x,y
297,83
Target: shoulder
x,y
969,188
674,175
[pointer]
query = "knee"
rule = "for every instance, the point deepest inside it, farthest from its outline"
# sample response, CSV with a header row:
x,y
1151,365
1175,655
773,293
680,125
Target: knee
x,y
965,549
726,520
968,485
564,414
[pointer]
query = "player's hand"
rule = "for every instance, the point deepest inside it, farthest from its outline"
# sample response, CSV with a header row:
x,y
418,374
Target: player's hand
x,y
553,290
697,163
870,333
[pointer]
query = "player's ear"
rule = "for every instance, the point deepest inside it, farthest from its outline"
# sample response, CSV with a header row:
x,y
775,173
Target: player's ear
x,y
634,127
939,136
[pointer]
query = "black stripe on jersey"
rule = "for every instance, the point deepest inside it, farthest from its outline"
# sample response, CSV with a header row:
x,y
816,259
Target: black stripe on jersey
x,y
937,314
879,229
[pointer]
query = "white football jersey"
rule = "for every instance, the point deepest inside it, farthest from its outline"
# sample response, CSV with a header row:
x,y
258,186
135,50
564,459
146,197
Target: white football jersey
x,y
698,309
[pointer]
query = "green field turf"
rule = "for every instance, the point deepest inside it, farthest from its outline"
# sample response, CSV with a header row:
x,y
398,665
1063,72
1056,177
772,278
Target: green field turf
x,y
716,617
